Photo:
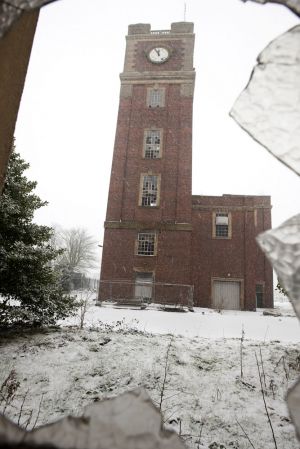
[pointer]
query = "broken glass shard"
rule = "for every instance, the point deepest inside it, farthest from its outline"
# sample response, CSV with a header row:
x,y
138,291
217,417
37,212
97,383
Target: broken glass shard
x,y
293,401
269,108
11,10
293,5
282,247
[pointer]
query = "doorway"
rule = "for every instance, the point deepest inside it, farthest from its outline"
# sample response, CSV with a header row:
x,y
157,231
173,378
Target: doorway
x,y
226,295
143,286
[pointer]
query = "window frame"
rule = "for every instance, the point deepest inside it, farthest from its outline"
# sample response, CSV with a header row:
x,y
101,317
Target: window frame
x,y
161,102
146,132
214,225
137,243
141,190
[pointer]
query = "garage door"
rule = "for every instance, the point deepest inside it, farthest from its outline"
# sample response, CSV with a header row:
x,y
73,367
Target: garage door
x,y
226,295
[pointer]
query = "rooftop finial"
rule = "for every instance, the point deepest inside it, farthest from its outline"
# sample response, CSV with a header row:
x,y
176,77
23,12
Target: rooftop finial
x,y
184,12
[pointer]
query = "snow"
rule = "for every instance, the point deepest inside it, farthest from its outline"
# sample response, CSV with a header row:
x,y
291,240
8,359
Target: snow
x,y
121,349
206,323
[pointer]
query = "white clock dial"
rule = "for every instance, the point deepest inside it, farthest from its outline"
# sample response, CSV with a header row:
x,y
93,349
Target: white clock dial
x,y
158,54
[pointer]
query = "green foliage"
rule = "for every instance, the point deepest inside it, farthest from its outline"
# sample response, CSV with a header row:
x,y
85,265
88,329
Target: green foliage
x,y
29,286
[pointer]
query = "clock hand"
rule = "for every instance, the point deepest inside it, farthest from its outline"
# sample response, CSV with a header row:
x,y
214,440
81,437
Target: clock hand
x,y
157,51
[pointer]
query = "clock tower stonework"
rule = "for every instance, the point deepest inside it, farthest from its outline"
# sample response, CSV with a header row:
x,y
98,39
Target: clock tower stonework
x,y
148,222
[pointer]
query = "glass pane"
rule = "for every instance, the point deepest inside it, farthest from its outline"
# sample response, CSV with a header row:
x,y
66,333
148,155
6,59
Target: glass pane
x,y
269,108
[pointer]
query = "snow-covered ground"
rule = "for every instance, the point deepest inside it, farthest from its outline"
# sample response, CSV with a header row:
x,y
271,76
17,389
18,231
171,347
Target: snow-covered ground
x,y
207,323
120,349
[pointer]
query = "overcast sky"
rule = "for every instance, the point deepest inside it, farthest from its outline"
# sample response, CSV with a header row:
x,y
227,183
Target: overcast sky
x,y
67,117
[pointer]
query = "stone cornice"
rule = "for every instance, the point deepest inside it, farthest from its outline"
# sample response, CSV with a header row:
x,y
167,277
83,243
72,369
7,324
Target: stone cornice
x,y
216,207
137,225
178,76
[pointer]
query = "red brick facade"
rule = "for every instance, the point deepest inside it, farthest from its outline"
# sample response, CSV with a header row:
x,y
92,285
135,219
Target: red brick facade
x,y
185,250
237,258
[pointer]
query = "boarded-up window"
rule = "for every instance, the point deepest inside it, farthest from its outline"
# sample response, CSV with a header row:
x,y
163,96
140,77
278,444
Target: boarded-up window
x,y
156,97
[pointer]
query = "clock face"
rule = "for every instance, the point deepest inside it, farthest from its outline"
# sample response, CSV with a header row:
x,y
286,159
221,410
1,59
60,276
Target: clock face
x,y
159,55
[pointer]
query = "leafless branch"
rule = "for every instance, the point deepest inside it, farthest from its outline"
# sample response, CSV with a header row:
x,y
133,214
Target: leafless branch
x,y
264,399
245,433
26,423
170,407
172,395
263,369
83,305
286,371
38,413
173,413
166,370
22,405
200,434
241,351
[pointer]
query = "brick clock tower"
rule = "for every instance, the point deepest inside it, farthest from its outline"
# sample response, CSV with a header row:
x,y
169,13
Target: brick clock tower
x,y
148,230
162,243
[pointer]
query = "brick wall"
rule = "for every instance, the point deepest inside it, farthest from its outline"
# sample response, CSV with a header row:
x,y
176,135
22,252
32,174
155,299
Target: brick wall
x,y
170,265
174,166
238,257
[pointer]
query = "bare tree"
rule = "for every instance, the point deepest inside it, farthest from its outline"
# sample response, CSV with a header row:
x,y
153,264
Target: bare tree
x,y
77,256
79,249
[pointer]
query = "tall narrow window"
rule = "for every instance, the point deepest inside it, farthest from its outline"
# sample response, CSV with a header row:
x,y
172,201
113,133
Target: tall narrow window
x,y
149,194
222,225
152,144
146,244
156,98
